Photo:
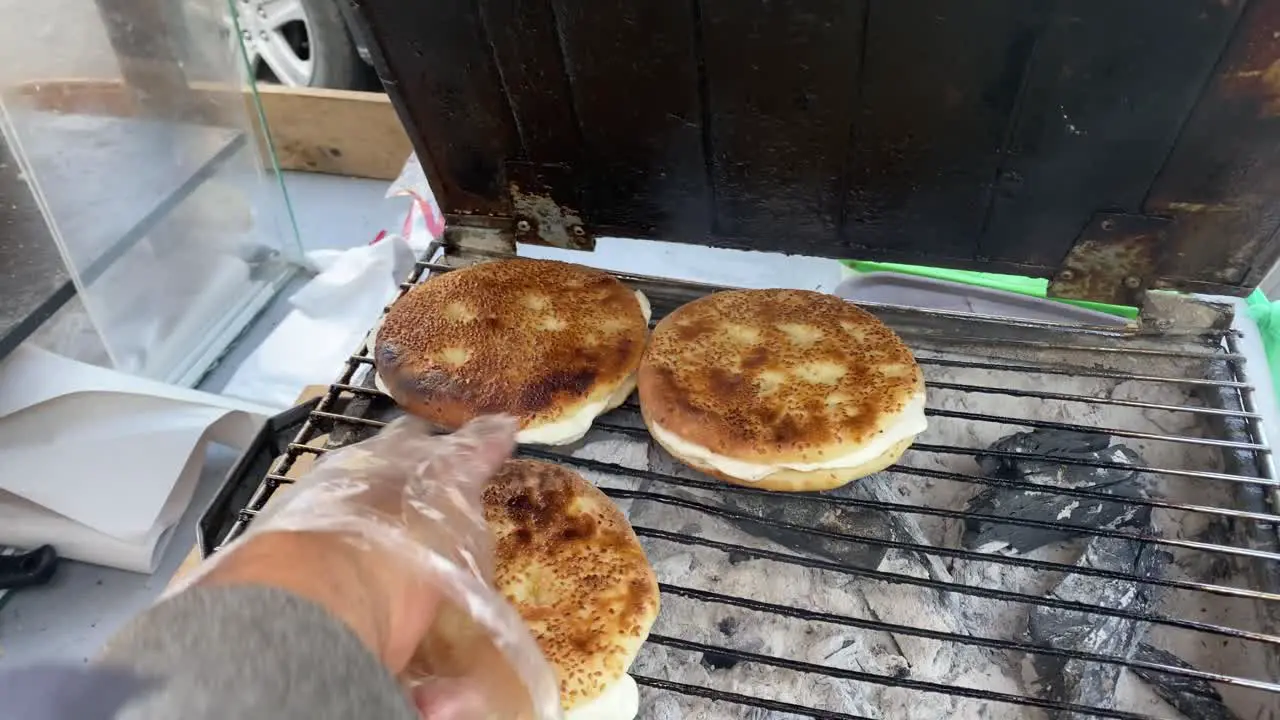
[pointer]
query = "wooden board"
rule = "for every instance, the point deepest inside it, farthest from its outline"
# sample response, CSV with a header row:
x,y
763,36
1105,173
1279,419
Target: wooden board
x,y
339,132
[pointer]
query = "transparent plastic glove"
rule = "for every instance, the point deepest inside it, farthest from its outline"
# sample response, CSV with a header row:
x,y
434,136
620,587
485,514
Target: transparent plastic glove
x,y
408,505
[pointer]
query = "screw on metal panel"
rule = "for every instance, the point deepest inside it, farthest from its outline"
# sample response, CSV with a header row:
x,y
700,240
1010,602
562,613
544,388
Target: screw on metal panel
x,y
1067,275
579,230
1133,282
1108,224
523,225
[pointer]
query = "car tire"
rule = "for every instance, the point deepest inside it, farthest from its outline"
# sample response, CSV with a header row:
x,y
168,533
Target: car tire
x,y
337,62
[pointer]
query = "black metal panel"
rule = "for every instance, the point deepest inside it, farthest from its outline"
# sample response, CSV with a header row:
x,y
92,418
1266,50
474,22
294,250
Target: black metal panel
x,y
526,47
779,149
436,63
940,82
979,135
1222,182
634,75
1107,92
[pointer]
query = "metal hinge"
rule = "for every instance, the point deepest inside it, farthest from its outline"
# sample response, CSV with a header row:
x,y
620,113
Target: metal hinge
x,y
544,203
1115,260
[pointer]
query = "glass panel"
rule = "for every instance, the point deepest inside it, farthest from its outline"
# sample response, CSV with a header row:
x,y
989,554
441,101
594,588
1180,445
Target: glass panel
x,y
137,140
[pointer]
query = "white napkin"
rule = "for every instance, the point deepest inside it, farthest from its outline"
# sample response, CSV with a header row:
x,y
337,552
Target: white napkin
x,y
102,464
330,317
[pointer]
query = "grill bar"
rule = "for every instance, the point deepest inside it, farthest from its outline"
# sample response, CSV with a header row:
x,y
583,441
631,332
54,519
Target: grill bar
x,y
248,514
1067,397
1114,432
1108,349
954,450
1047,489
1074,371
963,387
1054,425
1066,328
343,416
724,696
893,507
997,644
915,510
1197,474
950,552
1090,494
973,590
858,675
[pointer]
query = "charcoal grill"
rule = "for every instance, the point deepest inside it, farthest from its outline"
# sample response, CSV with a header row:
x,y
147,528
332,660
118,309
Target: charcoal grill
x,y
1143,379
1114,148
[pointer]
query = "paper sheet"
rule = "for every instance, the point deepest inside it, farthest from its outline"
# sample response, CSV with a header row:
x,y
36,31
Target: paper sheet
x,y
103,464
330,318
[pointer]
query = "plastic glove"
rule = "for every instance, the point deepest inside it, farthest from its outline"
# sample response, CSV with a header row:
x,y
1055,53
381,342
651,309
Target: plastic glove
x,y
400,515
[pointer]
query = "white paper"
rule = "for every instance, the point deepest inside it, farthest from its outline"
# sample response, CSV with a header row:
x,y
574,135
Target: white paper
x,y
330,318
102,464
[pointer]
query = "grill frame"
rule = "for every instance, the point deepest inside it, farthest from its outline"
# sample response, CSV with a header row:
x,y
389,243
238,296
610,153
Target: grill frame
x,y
343,414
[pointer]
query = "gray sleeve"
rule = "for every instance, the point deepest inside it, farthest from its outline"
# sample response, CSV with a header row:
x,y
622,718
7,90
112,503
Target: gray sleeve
x,y
250,652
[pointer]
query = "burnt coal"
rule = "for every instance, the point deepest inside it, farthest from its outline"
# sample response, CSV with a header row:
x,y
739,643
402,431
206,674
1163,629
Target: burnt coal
x,y
1047,506
719,661
1192,697
1087,683
1065,680
796,512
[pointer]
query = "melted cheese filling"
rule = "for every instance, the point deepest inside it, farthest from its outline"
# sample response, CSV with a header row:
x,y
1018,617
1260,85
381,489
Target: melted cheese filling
x,y
619,701
909,423
574,427
565,430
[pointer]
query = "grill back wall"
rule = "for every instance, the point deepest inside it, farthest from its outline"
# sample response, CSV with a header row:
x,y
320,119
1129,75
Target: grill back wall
x,y
995,134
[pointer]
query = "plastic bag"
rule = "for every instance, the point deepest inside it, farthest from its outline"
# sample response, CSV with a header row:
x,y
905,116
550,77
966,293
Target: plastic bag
x,y
417,496
424,222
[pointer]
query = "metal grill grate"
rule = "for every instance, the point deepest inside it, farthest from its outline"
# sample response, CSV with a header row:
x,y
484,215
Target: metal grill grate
x,y
1215,596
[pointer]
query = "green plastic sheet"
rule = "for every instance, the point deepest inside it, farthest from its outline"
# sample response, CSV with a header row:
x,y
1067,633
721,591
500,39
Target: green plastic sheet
x,y
1263,311
1035,287
1267,316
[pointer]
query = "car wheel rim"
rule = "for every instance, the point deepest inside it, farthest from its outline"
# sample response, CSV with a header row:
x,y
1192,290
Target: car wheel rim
x,y
277,40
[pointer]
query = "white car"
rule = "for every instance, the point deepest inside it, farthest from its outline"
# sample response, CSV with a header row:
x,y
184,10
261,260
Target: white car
x,y
301,43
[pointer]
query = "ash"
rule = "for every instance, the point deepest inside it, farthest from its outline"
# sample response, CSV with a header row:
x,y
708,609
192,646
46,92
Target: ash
x,y
898,656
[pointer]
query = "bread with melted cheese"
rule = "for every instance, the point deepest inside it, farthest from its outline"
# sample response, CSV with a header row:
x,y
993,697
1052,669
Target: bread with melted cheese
x,y
550,343
569,562
780,389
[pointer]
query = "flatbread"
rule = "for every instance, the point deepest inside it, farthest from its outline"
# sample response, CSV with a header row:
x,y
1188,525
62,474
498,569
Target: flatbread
x,y
536,339
572,566
777,376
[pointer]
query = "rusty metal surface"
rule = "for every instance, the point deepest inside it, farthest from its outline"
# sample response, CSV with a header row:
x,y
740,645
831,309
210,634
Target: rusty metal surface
x,y
1115,260
545,208
1222,181
907,131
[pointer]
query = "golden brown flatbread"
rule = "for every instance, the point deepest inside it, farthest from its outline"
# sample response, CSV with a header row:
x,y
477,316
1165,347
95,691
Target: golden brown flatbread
x,y
572,566
775,377
536,339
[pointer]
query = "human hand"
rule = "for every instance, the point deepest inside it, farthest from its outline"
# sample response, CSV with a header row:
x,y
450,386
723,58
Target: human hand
x,y
389,536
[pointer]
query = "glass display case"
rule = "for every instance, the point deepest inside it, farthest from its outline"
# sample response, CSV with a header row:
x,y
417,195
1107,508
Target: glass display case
x,y
144,221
